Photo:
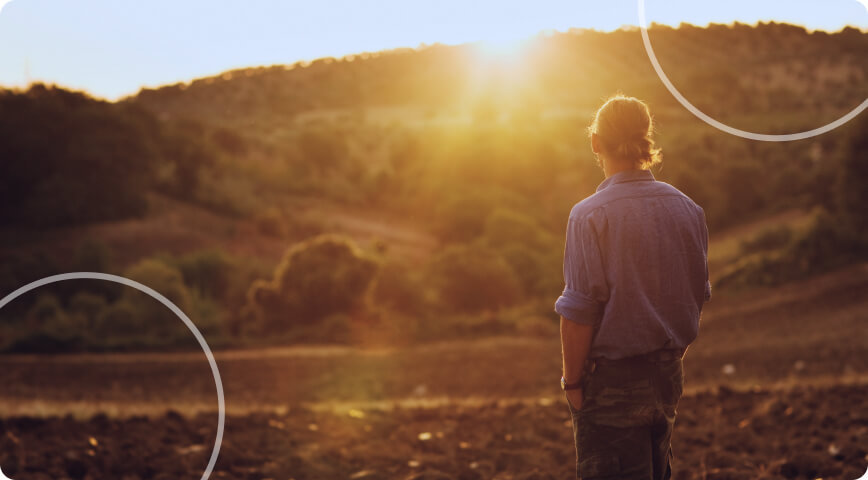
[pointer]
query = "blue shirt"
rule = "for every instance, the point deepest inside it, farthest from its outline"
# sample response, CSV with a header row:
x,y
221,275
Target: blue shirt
x,y
636,266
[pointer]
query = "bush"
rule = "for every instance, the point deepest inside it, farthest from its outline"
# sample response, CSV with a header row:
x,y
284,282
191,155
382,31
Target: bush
x,y
539,271
769,239
472,279
505,227
533,253
834,238
398,287
460,217
89,306
120,323
207,271
830,242
316,278
48,329
153,317
47,314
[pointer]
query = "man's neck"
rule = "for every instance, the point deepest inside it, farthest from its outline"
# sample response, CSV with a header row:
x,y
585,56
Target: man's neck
x,y
611,168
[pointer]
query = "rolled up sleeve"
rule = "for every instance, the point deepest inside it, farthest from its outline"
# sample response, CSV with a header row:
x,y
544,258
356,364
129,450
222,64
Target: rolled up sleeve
x,y
585,292
578,307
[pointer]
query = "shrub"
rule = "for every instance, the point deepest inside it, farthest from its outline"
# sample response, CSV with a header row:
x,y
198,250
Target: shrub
x,y
48,314
533,253
48,329
830,242
460,217
207,271
316,278
398,287
20,268
472,278
505,227
157,320
540,272
769,239
89,306
120,323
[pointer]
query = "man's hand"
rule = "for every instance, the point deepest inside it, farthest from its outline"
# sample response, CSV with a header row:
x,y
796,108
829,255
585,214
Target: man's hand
x,y
575,397
575,345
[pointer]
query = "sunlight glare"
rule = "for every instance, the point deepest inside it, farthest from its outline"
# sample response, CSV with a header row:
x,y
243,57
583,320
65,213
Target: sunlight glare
x,y
503,48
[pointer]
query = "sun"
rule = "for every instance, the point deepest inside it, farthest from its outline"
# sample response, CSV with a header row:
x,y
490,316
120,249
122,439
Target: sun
x,y
501,51
503,46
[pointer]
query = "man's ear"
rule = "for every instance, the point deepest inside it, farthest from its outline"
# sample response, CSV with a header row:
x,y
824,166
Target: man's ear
x,y
595,143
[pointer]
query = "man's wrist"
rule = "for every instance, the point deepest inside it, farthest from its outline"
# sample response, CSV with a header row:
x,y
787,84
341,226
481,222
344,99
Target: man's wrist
x,y
577,385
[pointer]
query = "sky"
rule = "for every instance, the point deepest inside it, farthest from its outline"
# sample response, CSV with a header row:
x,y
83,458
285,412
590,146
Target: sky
x,y
112,48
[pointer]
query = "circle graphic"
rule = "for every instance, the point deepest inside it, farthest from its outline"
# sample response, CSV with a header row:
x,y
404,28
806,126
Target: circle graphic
x,y
722,126
221,415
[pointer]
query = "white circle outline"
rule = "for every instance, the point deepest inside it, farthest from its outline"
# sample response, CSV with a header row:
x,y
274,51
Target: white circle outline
x,y
221,417
722,126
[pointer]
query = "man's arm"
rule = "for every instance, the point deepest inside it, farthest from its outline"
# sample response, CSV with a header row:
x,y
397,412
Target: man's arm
x,y
575,346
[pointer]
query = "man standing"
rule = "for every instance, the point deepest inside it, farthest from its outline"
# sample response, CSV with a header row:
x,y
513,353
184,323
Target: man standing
x,y
636,275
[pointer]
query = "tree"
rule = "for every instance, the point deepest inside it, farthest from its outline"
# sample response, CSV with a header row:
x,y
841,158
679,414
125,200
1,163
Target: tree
x,y
320,277
68,158
473,279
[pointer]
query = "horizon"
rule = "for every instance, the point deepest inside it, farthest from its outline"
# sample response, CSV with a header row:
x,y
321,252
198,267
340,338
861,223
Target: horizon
x,y
129,48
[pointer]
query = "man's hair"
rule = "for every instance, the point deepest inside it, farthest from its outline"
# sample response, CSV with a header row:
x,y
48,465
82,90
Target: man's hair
x,y
624,126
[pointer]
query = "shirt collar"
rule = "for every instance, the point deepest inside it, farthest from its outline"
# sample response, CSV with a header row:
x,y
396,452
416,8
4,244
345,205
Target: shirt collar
x,y
627,176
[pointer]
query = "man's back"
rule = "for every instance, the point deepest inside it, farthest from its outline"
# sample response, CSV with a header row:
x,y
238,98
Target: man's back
x,y
636,251
636,275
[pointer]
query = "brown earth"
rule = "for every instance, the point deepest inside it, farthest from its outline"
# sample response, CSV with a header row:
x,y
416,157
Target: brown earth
x,y
802,433
777,387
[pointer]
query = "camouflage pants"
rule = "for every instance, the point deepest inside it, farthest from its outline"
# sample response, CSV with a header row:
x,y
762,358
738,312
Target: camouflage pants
x,y
624,426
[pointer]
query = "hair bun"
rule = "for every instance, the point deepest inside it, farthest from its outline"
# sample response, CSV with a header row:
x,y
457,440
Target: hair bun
x,y
625,127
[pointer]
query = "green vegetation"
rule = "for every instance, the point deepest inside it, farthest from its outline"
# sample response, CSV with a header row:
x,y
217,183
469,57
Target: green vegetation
x,y
477,157
837,235
70,159
316,279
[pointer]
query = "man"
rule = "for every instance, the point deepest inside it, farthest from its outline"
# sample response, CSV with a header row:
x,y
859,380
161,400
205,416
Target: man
x,y
636,275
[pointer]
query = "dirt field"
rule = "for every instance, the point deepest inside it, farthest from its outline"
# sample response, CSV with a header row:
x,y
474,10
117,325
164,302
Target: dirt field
x,y
802,433
777,387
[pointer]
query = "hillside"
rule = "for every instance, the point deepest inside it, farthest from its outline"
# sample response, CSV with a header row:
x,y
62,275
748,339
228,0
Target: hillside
x,y
765,69
372,246
444,174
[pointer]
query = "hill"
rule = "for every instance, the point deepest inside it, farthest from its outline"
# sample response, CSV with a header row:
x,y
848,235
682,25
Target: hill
x,y
768,68
451,168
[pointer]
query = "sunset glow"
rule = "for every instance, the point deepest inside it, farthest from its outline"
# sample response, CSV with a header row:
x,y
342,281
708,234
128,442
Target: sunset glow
x,y
113,48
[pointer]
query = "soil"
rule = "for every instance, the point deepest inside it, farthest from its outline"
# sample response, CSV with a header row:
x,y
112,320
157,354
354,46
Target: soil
x,y
776,387
801,433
